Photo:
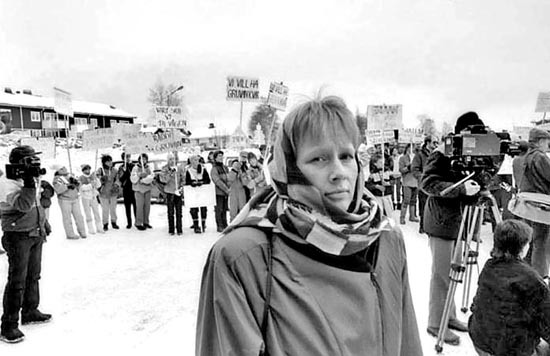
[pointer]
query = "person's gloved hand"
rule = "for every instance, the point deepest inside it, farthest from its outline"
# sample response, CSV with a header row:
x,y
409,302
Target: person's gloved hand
x,y
70,186
471,186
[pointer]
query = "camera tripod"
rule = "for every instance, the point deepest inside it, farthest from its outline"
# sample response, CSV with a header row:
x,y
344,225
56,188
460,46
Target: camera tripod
x,y
465,257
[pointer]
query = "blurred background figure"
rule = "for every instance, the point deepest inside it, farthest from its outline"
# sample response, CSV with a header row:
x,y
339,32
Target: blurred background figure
x,y
66,187
195,176
173,178
124,172
142,178
89,185
219,177
410,186
255,174
380,185
237,194
108,191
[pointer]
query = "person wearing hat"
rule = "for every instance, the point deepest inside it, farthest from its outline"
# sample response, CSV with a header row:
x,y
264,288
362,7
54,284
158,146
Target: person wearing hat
x,y
255,174
66,188
23,223
89,184
108,191
142,178
536,179
442,218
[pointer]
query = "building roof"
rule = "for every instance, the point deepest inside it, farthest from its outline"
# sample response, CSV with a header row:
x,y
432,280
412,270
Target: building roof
x,y
79,106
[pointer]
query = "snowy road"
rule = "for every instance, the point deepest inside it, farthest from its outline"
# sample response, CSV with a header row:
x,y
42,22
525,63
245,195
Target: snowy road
x,y
133,292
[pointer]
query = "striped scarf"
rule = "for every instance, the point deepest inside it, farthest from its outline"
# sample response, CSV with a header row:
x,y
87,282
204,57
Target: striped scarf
x,y
293,207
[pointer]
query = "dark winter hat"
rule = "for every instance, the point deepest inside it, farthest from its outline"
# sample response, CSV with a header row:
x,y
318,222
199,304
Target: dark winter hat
x,y
468,119
536,134
18,153
85,167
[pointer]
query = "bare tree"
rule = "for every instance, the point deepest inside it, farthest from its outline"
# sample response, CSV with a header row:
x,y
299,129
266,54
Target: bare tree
x,y
427,124
447,128
362,124
264,115
162,94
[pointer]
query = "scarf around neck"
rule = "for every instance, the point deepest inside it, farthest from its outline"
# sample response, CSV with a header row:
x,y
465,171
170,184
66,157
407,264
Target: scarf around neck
x,y
294,208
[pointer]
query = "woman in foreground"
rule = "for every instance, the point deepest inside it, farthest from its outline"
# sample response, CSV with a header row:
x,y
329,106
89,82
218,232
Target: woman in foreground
x,y
310,266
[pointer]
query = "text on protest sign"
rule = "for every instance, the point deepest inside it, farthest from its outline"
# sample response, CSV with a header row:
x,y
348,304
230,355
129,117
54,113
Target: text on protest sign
x,y
278,96
46,145
378,136
170,117
98,139
137,142
543,102
520,132
243,89
166,142
410,135
380,117
63,103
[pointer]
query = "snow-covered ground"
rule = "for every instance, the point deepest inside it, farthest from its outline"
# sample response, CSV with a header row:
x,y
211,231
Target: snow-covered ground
x,y
135,292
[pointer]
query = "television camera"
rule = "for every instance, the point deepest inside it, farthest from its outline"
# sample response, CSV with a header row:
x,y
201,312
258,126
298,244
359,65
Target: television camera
x,y
29,168
480,151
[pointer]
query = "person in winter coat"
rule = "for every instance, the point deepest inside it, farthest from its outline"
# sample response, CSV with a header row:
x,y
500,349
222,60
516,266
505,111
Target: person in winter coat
x,y
380,184
124,172
108,191
535,178
311,266
195,176
442,218
410,186
89,184
255,174
237,194
219,177
24,233
66,188
418,166
511,308
173,178
142,178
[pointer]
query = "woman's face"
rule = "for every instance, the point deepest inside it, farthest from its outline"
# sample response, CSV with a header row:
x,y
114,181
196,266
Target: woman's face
x,y
330,166
253,161
219,158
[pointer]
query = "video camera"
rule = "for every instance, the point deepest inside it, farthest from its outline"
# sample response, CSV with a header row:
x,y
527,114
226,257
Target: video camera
x,y
29,168
479,149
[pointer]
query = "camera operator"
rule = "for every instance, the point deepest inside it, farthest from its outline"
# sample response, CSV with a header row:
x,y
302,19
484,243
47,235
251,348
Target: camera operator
x,y
23,222
535,178
441,223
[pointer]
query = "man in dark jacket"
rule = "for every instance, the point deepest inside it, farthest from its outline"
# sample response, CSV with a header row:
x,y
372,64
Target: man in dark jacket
x,y
124,173
417,167
219,177
536,179
441,222
23,223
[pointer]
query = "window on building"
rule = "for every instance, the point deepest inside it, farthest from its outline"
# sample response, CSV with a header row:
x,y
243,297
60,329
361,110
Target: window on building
x,y
93,123
35,116
49,120
81,121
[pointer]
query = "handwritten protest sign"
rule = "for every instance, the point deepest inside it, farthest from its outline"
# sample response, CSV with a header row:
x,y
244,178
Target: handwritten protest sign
x,y
278,96
243,89
170,117
378,136
166,142
381,117
195,197
46,145
410,135
98,138
63,103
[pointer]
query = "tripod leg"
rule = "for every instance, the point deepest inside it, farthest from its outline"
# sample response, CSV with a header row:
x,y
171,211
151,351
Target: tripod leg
x,y
471,258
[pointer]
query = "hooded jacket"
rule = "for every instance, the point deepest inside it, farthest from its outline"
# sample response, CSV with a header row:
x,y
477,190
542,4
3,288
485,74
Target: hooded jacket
x,y
64,189
316,307
20,210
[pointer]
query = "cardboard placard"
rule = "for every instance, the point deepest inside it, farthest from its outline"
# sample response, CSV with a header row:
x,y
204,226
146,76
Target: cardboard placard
x,y
170,117
381,117
243,89
63,103
195,197
543,102
98,139
278,96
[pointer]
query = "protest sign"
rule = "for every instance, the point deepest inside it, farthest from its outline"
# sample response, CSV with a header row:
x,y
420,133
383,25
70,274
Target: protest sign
x,y
137,142
278,96
170,117
378,136
243,89
410,135
381,117
166,142
63,103
98,139
520,133
46,145
543,102
195,197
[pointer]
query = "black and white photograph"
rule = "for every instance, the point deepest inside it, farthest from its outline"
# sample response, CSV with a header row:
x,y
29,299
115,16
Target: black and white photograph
x,y
282,178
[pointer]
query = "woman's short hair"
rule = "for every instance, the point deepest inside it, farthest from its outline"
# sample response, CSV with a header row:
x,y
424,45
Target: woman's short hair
x,y
510,238
321,117
142,156
217,153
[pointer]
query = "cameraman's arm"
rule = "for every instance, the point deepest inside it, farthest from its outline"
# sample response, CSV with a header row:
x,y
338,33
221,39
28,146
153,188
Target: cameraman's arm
x,y
433,182
18,198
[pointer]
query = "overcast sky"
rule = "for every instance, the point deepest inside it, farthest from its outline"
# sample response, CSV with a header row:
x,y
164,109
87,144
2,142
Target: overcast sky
x,y
436,57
